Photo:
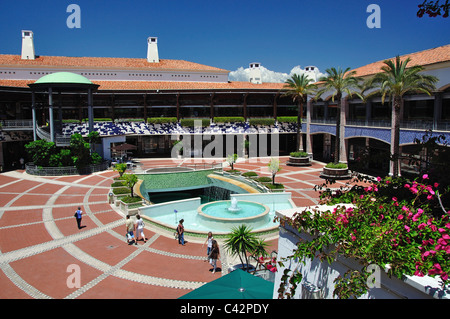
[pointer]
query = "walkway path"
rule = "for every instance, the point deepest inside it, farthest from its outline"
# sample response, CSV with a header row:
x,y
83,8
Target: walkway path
x,y
42,250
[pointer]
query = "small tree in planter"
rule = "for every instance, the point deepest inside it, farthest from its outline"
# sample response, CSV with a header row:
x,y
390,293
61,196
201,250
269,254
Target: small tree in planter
x,y
242,242
274,167
130,180
121,168
231,159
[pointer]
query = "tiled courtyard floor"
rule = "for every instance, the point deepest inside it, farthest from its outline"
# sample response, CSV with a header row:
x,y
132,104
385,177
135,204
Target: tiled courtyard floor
x,y
41,248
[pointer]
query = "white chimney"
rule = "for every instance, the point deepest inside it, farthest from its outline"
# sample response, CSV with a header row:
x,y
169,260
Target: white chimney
x,y
152,50
255,73
312,72
27,45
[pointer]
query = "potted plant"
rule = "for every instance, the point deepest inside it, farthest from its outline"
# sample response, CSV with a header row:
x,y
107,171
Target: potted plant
x,y
336,171
298,159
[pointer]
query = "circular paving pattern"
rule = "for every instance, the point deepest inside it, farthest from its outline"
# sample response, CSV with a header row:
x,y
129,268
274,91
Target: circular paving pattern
x,y
43,254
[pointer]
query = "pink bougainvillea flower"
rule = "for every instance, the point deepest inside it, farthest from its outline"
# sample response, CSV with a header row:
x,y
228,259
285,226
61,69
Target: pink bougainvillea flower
x,y
436,185
425,176
352,237
407,228
422,226
444,276
394,199
407,186
414,190
400,217
379,178
446,236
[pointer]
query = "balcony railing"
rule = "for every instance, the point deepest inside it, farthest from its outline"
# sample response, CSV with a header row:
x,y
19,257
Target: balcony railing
x,y
15,125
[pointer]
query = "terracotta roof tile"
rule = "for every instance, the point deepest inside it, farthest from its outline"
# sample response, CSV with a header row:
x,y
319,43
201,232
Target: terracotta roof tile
x,y
163,85
104,63
426,57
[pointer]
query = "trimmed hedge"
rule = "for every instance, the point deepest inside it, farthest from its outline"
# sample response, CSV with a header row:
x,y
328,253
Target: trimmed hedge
x,y
338,165
249,174
262,121
161,120
287,119
298,154
228,119
190,122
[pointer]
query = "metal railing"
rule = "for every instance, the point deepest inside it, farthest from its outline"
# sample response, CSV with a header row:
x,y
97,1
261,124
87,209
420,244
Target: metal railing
x,y
32,169
17,125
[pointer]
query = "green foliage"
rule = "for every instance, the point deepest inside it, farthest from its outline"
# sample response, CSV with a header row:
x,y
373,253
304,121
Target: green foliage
x,y
262,121
249,174
395,223
231,159
192,122
228,119
130,199
336,165
275,186
119,184
264,179
121,191
120,168
298,154
40,151
274,167
130,181
287,119
161,120
241,242
79,153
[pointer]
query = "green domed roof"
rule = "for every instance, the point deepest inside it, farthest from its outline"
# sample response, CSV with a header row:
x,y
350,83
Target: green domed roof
x,y
63,77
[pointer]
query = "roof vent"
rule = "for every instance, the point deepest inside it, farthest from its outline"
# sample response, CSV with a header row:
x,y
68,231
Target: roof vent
x,y
152,50
27,45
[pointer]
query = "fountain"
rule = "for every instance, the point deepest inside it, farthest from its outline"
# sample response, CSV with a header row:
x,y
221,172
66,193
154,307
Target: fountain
x,y
234,207
228,214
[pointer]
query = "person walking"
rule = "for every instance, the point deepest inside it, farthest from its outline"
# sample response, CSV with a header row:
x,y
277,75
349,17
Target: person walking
x,y
180,232
130,230
214,255
208,242
78,216
140,229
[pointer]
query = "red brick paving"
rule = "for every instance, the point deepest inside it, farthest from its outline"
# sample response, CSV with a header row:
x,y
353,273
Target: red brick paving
x,y
46,270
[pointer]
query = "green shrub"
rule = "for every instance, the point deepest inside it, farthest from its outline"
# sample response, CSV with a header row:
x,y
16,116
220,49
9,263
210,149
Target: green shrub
x,y
161,120
264,179
287,119
121,191
262,121
274,186
190,122
233,171
129,199
338,165
118,184
249,174
298,154
228,119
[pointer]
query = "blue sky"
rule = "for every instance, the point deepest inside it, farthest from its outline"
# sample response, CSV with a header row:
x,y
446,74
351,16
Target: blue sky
x,y
228,34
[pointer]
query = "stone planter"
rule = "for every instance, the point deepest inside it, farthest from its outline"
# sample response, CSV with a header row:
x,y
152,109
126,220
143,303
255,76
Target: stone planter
x,y
335,173
298,161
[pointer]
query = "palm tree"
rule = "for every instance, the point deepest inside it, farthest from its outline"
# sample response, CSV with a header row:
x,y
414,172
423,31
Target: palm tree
x,y
241,241
395,81
298,87
338,82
